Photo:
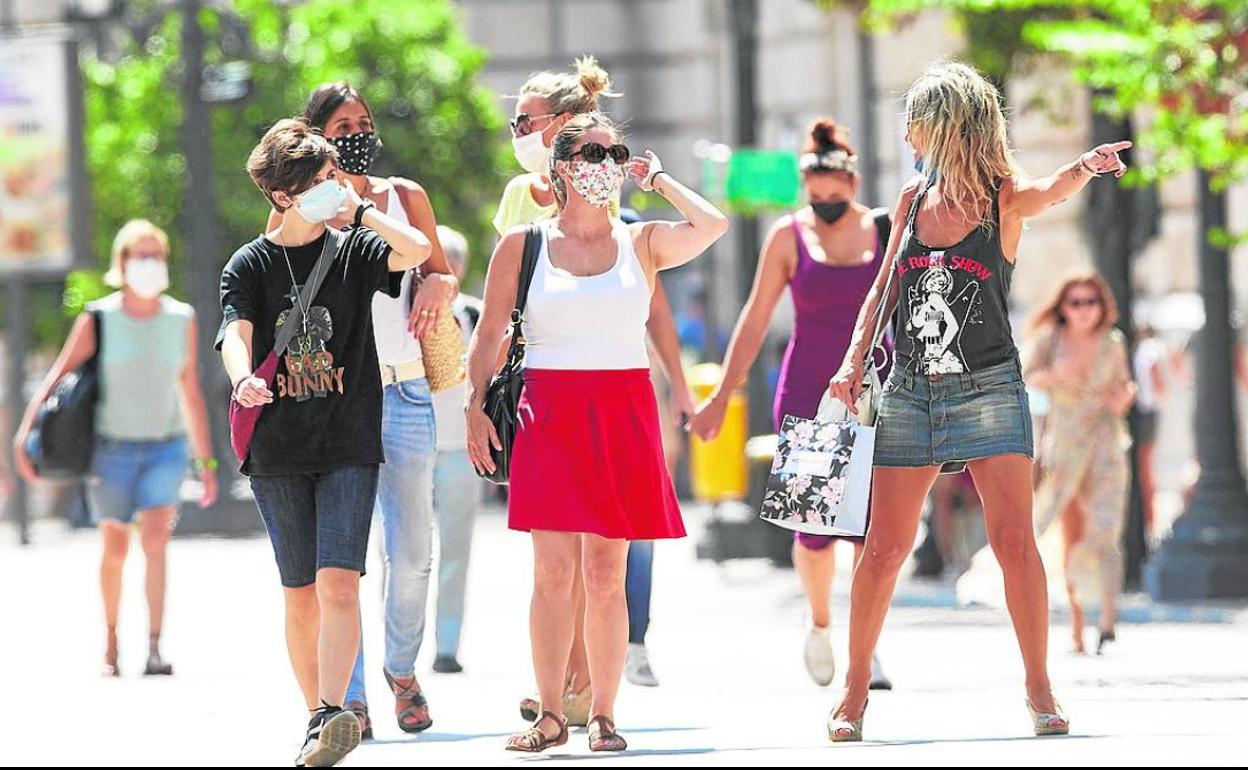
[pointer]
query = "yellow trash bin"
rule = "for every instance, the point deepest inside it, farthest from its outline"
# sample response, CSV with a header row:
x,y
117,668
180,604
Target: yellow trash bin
x,y
718,468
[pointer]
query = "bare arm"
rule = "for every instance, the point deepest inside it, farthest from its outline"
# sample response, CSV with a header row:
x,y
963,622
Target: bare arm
x,y
440,284
775,269
501,284
666,341
408,246
672,244
236,355
78,349
1121,393
1029,197
192,396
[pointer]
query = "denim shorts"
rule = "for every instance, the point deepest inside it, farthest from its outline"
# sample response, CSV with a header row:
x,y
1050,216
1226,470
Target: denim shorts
x,y
951,419
317,520
132,476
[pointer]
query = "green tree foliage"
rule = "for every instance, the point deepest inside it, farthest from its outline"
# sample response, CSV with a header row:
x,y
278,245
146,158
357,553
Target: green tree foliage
x,y
1184,62
409,58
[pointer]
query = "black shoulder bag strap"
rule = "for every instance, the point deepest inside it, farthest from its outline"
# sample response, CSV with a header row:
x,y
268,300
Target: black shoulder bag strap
x,y
528,265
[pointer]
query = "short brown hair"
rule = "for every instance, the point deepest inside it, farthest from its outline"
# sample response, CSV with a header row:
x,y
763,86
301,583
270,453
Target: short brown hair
x,y
288,158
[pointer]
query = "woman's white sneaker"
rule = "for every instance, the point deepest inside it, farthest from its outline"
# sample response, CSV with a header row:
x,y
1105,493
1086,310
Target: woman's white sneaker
x,y
820,663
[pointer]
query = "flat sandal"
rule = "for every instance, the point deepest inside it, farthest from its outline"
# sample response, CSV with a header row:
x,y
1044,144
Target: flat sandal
x,y
534,741
603,736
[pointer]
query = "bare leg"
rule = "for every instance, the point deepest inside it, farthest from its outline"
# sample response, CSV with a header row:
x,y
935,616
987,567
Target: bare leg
x,y
303,625
116,540
1004,485
897,504
155,529
338,595
551,617
816,567
578,677
1072,532
606,629
1148,484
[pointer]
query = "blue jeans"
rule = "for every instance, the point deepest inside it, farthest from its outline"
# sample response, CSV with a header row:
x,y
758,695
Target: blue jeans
x,y
132,476
405,509
637,588
456,496
317,520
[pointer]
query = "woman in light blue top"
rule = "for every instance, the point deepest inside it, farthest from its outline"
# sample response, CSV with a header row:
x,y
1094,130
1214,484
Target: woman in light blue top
x,y
150,399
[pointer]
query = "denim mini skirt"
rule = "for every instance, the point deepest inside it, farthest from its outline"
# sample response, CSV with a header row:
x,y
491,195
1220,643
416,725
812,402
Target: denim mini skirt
x,y
951,419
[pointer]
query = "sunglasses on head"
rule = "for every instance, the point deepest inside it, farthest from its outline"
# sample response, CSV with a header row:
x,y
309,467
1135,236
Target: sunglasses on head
x,y
1077,303
523,123
592,152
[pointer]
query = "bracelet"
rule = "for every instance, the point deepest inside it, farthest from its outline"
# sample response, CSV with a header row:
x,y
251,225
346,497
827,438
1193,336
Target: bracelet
x,y
359,213
1087,168
205,463
655,178
234,390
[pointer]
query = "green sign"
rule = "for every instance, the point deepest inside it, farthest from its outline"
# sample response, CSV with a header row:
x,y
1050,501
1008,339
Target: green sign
x,y
763,179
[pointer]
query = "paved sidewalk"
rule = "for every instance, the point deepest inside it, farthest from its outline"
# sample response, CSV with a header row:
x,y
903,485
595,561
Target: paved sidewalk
x,y
725,641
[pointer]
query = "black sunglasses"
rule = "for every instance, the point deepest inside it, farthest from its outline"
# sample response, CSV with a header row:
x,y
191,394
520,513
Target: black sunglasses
x,y
592,152
523,123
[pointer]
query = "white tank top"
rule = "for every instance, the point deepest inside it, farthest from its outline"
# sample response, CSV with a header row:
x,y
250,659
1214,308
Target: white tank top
x,y
395,344
588,322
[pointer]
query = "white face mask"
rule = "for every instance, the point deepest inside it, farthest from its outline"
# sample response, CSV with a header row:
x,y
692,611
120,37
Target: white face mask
x,y
531,153
322,202
147,277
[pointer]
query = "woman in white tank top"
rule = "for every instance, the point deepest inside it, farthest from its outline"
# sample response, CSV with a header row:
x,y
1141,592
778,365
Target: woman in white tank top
x,y
405,480
587,472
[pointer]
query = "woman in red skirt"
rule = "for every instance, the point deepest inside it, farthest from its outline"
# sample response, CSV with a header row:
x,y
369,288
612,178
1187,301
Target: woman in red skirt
x,y
587,464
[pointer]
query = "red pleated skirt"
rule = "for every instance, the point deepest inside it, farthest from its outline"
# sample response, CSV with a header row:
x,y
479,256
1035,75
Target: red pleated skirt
x,y
588,457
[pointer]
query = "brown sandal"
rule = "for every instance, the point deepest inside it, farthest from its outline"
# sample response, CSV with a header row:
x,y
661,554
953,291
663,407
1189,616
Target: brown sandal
x,y
409,701
534,741
360,709
603,737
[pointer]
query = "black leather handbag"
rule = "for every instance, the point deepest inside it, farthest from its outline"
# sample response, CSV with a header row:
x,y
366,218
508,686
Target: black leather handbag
x,y
61,442
502,396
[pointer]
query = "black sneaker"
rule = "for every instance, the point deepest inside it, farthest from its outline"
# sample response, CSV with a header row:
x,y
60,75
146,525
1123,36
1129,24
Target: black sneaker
x,y
447,664
332,734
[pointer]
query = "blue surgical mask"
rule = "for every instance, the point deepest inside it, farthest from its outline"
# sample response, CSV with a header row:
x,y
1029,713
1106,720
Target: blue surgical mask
x,y
322,202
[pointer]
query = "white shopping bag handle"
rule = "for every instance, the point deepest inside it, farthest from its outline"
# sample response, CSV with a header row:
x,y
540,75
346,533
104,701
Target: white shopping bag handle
x,y
832,409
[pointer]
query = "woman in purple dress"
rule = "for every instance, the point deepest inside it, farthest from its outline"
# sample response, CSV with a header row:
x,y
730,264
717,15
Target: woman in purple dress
x,y
827,254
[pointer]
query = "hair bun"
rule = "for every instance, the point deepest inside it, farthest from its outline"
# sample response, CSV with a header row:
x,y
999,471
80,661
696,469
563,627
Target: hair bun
x,y
826,134
594,79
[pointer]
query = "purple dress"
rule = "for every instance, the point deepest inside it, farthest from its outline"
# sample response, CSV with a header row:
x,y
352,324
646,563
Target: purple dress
x,y
826,300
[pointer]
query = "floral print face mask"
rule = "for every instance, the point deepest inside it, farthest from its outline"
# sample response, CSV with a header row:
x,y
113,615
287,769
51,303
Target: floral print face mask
x,y
597,183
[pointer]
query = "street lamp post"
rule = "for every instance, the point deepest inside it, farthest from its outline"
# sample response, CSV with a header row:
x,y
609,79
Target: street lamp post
x,y
1206,556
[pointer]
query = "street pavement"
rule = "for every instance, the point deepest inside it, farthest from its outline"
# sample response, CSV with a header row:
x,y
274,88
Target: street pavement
x,y
725,641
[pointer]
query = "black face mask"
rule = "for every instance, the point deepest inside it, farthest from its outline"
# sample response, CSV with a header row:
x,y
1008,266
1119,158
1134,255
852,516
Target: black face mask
x,y
356,151
829,211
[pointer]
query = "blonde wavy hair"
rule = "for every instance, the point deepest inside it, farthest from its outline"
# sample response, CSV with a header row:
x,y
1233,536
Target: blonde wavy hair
x,y
573,92
955,113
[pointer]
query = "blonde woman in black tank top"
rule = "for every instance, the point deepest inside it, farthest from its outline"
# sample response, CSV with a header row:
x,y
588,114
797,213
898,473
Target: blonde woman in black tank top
x,y
955,396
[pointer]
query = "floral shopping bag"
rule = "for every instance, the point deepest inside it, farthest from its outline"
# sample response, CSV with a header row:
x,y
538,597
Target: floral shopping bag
x,y
820,480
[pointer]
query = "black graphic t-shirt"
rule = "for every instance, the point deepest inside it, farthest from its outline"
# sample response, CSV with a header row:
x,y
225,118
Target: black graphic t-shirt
x,y
952,315
326,410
